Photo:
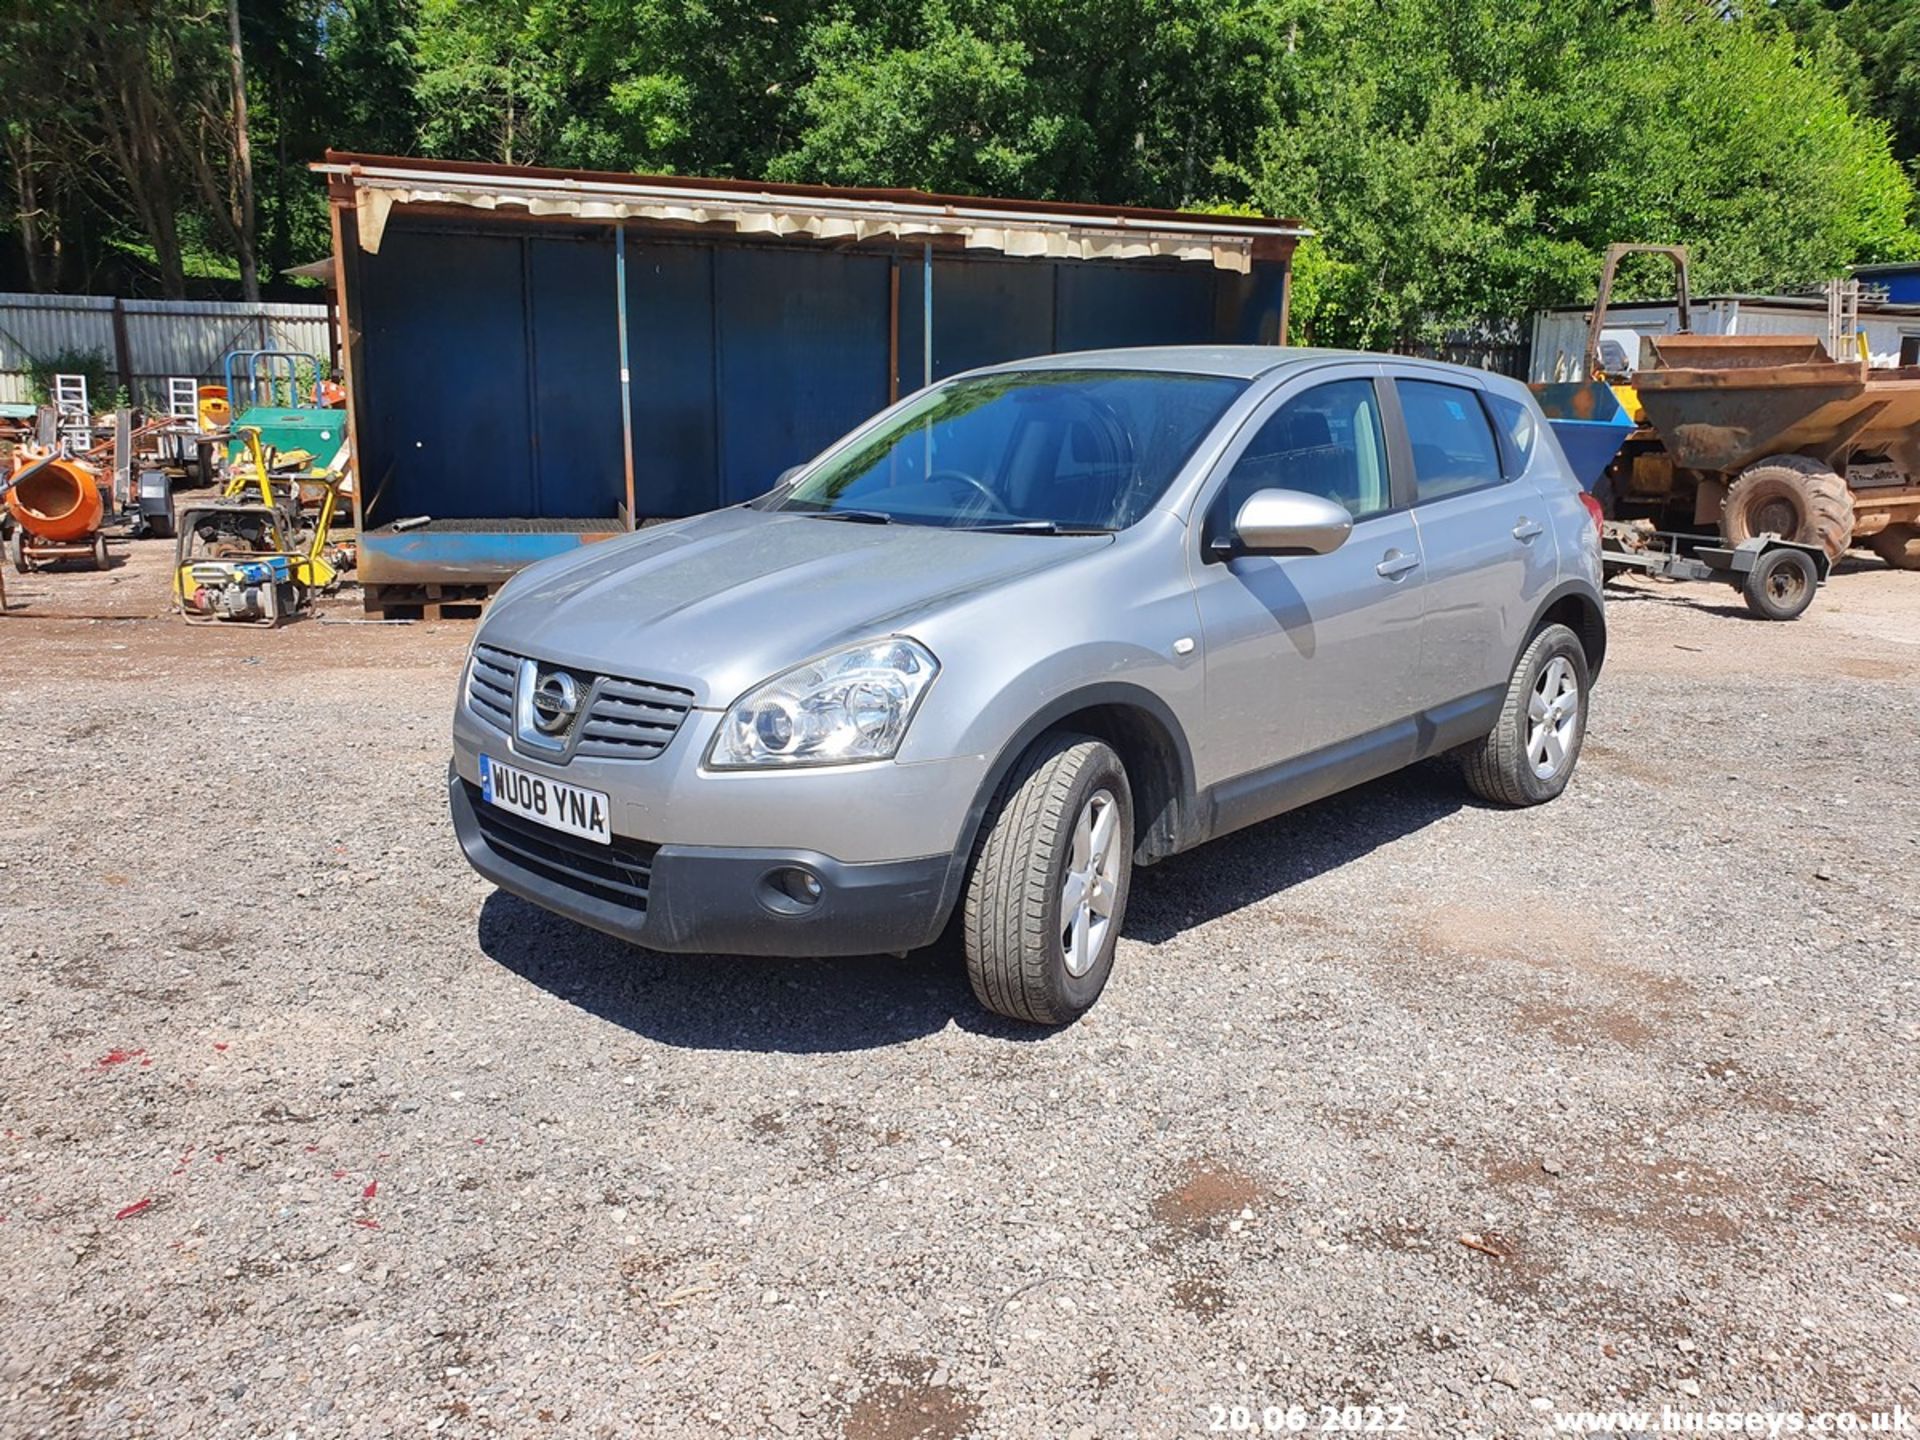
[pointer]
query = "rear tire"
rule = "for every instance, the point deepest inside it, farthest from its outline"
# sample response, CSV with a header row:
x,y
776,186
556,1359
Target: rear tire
x,y
1037,947
1781,586
1528,757
1899,546
1793,497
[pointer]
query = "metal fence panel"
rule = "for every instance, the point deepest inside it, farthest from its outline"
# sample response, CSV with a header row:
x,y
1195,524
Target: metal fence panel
x,y
164,337
41,326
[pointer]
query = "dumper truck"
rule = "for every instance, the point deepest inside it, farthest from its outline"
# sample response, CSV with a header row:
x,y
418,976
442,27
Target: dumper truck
x,y
1748,435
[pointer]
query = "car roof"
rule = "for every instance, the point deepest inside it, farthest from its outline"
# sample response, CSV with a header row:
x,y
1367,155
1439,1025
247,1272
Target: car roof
x,y
1241,362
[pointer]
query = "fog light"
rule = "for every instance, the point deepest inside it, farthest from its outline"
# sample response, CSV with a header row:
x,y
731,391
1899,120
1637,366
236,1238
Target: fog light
x,y
800,885
791,890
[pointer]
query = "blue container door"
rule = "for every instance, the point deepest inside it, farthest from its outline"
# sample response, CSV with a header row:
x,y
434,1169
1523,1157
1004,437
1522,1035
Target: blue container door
x,y
444,377
578,468
1098,305
803,357
676,469
985,312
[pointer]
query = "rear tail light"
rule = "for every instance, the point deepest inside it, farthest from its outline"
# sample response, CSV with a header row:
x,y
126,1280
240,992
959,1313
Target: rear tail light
x,y
1593,509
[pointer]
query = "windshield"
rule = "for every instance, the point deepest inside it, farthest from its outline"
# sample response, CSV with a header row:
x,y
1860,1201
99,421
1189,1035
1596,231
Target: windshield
x,y
1036,450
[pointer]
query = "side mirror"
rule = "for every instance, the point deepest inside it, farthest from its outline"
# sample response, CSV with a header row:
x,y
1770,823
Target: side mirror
x,y
1288,522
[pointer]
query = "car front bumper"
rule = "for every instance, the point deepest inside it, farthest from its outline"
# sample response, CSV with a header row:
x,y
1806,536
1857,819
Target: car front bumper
x,y
706,898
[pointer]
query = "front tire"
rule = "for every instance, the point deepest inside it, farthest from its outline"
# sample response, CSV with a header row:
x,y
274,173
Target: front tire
x,y
1048,890
1528,757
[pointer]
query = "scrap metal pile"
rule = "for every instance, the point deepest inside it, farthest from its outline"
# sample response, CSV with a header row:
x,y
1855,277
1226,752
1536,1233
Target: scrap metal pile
x,y
257,553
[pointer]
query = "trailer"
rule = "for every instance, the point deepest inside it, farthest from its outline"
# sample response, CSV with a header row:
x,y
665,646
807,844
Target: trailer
x,y
1776,578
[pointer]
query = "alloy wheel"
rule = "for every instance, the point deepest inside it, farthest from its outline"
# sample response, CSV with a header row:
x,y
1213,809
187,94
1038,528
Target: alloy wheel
x,y
1553,717
1088,890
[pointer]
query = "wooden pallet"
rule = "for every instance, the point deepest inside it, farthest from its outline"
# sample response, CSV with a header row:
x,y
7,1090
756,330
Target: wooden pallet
x,y
426,602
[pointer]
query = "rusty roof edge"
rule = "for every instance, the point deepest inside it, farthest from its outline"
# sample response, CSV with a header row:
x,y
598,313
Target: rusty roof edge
x,y
391,170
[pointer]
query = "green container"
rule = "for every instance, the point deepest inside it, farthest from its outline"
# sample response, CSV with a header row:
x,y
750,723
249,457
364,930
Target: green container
x,y
319,432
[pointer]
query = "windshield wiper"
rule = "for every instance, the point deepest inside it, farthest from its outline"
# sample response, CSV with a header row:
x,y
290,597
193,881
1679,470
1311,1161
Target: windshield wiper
x,y
857,517
1037,527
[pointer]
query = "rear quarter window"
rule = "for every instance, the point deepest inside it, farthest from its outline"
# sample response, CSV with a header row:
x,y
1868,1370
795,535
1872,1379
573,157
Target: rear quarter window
x,y
1517,429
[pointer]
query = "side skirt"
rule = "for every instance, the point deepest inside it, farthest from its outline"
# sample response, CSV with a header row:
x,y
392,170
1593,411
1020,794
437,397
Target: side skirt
x,y
1262,794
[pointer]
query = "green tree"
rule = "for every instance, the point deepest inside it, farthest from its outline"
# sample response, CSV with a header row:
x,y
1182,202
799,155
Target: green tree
x,y
1462,159
1470,160
1132,101
1875,47
485,87
954,112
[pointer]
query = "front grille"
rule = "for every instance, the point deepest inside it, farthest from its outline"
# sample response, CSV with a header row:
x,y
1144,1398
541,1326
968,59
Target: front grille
x,y
631,719
617,874
490,686
623,719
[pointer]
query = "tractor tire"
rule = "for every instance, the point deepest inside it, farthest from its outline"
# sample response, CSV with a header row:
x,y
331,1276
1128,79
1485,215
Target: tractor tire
x,y
1793,497
1899,546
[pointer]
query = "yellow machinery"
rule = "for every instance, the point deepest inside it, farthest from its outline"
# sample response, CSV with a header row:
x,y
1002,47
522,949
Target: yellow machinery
x,y
256,555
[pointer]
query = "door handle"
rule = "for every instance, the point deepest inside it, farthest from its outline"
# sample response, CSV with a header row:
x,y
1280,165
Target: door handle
x,y
1528,530
1395,565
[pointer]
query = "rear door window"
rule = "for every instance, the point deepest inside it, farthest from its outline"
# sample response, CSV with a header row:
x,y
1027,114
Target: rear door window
x,y
1454,450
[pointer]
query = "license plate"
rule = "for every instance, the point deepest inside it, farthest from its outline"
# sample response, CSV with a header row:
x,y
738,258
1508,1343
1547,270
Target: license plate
x,y
551,802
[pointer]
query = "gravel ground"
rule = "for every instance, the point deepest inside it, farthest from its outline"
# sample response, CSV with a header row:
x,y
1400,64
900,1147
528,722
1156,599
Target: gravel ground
x,y
1398,1101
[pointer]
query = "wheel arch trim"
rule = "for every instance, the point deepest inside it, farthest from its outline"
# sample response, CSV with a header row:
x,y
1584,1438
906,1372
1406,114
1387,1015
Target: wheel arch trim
x,y
1592,629
1107,694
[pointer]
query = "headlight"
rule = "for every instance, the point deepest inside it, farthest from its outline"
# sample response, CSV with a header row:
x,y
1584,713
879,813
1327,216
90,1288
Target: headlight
x,y
854,705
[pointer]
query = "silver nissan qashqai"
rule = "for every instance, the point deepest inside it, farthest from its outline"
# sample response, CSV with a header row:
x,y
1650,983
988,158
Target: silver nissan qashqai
x,y
1021,632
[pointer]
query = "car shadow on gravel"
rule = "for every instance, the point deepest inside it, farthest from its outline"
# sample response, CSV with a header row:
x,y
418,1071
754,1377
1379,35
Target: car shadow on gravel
x,y
1255,864
738,1002
735,1002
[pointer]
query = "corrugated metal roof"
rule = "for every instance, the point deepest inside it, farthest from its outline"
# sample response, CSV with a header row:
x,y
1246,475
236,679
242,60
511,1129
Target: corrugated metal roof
x,y
374,184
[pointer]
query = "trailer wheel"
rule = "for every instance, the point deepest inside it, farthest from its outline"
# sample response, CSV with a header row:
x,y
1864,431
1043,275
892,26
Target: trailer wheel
x,y
17,548
99,550
1899,546
1793,497
1781,586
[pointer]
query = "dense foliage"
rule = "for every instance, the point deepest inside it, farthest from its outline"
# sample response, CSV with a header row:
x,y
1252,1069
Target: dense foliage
x,y
1462,160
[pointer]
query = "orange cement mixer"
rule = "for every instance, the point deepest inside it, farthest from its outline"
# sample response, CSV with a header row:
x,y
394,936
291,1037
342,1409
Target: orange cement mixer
x,y
57,508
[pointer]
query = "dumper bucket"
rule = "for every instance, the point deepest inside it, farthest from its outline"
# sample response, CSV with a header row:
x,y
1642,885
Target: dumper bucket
x,y
1722,402
1731,352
